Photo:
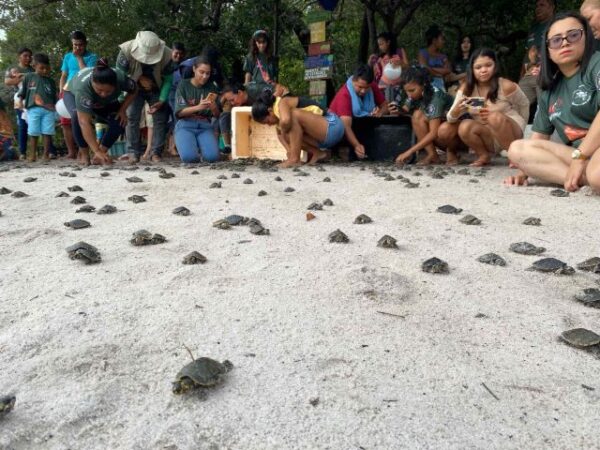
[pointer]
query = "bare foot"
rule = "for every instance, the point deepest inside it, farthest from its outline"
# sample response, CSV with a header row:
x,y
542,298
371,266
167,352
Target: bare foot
x,y
481,161
84,158
317,156
429,160
146,156
156,158
451,158
288,163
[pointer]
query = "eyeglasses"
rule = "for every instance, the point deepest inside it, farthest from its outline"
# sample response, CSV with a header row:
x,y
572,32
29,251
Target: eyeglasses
x,y
572,36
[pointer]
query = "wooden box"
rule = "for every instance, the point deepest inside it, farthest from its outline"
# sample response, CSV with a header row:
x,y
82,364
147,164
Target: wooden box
x,y
253,140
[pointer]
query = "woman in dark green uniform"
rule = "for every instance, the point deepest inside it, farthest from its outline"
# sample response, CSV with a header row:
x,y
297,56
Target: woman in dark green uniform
x,y
568,104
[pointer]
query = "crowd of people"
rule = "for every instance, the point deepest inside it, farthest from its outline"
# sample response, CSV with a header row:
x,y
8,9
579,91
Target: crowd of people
x,y
453,105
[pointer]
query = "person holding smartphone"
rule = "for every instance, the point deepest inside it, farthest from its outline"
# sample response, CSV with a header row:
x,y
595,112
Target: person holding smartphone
x,y
195,106
488,113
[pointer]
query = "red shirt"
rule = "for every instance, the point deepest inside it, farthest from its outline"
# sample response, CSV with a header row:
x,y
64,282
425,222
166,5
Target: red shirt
x,y
342,102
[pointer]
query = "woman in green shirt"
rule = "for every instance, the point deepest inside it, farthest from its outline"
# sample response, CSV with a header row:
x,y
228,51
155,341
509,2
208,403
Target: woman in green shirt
x,y
260,66
568,104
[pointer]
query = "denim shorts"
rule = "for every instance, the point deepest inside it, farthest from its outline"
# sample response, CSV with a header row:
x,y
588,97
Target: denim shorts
x,y
335,131
40,121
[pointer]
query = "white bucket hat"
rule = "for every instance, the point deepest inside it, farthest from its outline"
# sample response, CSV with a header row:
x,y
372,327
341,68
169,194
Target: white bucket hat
x,y
147,47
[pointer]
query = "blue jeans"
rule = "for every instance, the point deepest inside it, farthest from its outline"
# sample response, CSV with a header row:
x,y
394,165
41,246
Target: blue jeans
x,y
22,132
195,139
160,119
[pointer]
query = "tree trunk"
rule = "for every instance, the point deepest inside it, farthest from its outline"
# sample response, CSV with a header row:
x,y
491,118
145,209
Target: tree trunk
x,y
372,31
363,46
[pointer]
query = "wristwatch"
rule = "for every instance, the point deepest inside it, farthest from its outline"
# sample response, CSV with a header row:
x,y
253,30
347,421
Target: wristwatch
x,y
578,155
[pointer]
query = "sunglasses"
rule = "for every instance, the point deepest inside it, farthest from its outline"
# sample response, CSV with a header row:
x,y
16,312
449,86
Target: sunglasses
x,y
572,36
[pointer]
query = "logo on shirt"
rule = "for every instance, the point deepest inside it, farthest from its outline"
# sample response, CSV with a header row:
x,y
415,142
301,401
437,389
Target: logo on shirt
x,y
86,102
430,111
581,96
555,110
598,81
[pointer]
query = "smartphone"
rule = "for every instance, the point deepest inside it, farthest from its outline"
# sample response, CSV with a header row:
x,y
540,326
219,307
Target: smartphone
x,y
211,97
476,102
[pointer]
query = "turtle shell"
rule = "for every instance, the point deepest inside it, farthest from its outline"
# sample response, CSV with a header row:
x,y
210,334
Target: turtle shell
x,y
77,224
4,191
78,200
29,180
338,236
80,245
181,211
435,265
107,209
87,256
551,265
7,403
580,338
258,229
235,219
19,194
75,188
493,259
362,219
194,258
136,199
589,297
470,220
86,209
327,202
590,265
449,209
387,241
315,206
525,248
204,372
535,221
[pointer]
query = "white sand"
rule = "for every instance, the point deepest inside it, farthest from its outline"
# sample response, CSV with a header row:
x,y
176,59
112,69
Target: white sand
x,y
90,351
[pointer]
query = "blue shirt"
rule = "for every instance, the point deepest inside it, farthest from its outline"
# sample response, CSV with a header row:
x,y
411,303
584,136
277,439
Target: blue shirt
x,y
70,65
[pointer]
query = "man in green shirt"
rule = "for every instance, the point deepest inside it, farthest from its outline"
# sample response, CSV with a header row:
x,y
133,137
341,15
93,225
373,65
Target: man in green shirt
x,y
147,61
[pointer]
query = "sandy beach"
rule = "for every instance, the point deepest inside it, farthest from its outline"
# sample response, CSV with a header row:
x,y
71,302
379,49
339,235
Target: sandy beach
x,y
335,346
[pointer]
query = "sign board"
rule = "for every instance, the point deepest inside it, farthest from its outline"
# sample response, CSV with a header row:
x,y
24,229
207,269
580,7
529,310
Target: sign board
x,y
318,16
319,48
310,62
317,32
318,73
317,88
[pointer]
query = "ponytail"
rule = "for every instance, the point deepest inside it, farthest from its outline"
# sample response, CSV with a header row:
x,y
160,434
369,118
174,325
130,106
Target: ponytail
x,y
103,74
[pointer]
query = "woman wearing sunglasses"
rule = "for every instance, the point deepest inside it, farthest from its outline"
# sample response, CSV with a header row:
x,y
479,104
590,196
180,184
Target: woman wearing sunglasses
x,y
569,103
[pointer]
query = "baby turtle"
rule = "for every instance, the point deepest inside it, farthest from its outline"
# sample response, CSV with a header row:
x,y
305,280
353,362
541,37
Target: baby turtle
x,y
411,185
194,258
29,180
326,180
85,252
78,200
248,181
552,265
387,242
278,179
262,193
388,178
75,188
77,224
64,174
259,230
289,189
235,175
166,175
449,209
590,265
19,194
7,403
464,171
222,224
559,193
182,211
338,236
62,194
492,259
525,248
435,265
137,198
315,206
470,220
301,173
104,174
589,297
580,338
222,177
194,172
4,191
86,209
144,237
200,373
215,185
134,179
362,219
236,219
535,221
327,202
107,209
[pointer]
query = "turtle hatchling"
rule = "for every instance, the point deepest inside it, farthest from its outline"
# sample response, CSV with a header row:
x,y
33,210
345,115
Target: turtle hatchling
x,y
75,188
104,174
387,242
258,229
235,175
4,191
535,221
326,180
29,180
77,224
411,185
215,185
470,220
338,236
107,209
199,374
222,224
278,179
492,259
362,219
525,248
327,202
590,265
236,219
144,237
7,403
262,193
85,252
19,194
134,179
559,193
248,181
166,175
435,265
589,297
552,265
194,258
86,209
449,209
580,338
315,206
78,200
222,177
62,194
181,211
289,189
137,198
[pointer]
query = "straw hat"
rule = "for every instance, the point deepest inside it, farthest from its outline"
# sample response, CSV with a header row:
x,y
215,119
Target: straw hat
x,y
147,48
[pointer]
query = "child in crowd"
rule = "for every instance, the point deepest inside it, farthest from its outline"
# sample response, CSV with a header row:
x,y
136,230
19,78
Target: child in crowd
x,y
428,106
195,106
39,96
431,57
260,66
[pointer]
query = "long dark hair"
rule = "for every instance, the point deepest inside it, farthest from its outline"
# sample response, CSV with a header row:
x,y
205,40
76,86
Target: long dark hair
x,y
253,49
433,32
103,74
459,52
393,42
550,74
494,81
260,108
419,75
